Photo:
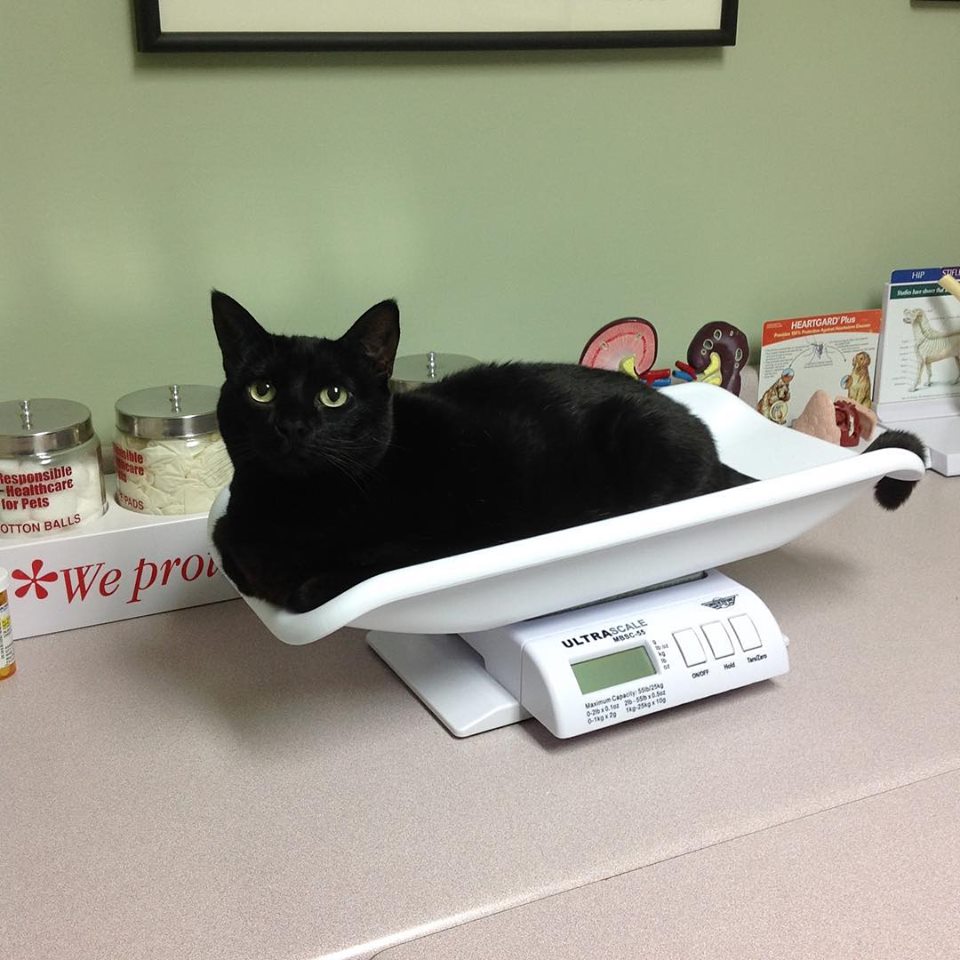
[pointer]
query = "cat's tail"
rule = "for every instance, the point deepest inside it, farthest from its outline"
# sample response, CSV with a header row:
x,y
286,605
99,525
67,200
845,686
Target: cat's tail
x,y
890,492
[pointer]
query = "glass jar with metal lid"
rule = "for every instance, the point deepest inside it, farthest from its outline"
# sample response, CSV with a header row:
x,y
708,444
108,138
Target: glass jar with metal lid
x,y
170,457
51,474
418,369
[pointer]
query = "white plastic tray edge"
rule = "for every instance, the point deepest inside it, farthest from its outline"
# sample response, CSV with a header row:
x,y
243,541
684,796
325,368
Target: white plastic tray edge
x,y
528,578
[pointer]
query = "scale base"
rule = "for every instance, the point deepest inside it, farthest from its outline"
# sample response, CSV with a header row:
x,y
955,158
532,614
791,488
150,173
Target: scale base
x,y
705,635
448,675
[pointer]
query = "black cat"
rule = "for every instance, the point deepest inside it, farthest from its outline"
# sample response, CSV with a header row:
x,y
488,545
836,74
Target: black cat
x,y
337,480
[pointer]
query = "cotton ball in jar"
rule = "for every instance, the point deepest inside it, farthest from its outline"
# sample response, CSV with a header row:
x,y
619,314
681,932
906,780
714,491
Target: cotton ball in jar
x,y
53,480
88,482
10,511
62,505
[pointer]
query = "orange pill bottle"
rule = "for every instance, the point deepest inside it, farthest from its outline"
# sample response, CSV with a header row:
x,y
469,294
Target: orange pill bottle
x,y
8,662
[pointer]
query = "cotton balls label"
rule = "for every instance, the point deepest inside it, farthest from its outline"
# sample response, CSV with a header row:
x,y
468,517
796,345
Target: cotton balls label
x,y
39,501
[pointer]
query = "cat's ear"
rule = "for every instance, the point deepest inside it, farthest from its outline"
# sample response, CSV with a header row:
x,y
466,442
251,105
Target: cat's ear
x,y
377,334
237,332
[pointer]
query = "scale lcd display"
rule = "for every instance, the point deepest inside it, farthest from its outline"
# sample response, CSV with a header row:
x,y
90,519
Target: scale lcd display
x,y
613,669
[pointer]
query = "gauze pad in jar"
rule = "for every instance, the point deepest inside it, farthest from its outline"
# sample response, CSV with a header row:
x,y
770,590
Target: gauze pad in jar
x,y
51,475
170,457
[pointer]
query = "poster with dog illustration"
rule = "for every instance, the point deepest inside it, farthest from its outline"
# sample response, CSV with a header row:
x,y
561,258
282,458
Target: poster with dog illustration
x,y
918,377
920,344
833,352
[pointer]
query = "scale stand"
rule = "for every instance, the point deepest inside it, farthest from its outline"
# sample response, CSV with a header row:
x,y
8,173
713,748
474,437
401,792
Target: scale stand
x,y
595,666
449,676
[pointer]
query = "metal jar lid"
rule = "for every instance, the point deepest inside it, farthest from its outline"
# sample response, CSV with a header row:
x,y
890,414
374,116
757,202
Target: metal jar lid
x,y
413,371
178,411
43,425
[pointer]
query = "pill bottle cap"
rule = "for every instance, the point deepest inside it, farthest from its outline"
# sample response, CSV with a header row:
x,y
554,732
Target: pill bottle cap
x,y
178,411
43,425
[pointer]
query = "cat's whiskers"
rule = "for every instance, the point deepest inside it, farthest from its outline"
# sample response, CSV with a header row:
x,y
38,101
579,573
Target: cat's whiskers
x,y
343,464
241,449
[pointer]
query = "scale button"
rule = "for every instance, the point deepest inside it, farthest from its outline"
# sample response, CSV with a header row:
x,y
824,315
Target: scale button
x,y
690,646
746,632
718,638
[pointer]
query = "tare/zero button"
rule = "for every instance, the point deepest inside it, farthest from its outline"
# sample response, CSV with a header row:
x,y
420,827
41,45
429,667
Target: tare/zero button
x,y
690,647
746,632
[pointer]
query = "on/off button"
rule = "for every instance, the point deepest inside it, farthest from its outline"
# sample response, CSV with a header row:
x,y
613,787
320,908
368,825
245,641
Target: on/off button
x,y
690,646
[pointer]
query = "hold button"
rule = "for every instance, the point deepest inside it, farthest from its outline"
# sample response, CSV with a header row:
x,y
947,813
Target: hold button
x,y
719,639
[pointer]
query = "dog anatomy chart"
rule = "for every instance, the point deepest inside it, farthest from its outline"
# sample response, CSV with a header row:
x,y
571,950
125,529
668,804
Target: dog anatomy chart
x,y
918,381
920,344
834,352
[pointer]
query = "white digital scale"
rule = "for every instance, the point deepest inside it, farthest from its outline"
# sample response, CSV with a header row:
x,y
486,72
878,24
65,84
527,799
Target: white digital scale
x,y
478,636
585,669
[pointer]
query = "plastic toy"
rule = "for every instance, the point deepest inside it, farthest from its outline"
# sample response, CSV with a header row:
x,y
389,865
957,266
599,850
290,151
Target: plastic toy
x,y
656,378
628,345
717,353
848,422
838,421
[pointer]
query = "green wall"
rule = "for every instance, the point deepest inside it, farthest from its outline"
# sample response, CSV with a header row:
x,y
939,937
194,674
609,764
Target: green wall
x,y
512,202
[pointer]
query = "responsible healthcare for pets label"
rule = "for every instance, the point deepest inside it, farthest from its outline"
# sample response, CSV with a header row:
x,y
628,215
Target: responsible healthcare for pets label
x,y
920,344
834,352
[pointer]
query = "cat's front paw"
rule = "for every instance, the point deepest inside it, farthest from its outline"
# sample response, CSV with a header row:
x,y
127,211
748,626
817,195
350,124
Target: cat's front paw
x,y
229,563
235,575
309,595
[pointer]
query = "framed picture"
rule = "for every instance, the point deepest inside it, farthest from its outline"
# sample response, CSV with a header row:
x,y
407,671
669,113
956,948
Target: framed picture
x,y
193,25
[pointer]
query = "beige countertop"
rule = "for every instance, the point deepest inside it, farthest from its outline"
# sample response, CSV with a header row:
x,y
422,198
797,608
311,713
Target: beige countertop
x,y
185,786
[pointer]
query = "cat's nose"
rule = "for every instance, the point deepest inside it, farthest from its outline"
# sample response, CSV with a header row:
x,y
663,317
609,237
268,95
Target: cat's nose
x,y
292,432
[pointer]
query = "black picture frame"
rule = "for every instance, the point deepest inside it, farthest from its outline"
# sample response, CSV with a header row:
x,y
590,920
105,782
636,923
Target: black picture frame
x,y
153,38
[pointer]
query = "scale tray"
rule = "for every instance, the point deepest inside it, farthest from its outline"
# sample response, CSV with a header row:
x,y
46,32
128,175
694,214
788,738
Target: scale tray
x,y
801,481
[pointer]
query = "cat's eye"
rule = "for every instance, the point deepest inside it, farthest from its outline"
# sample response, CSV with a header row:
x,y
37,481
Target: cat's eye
x,y
332,397
262,391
